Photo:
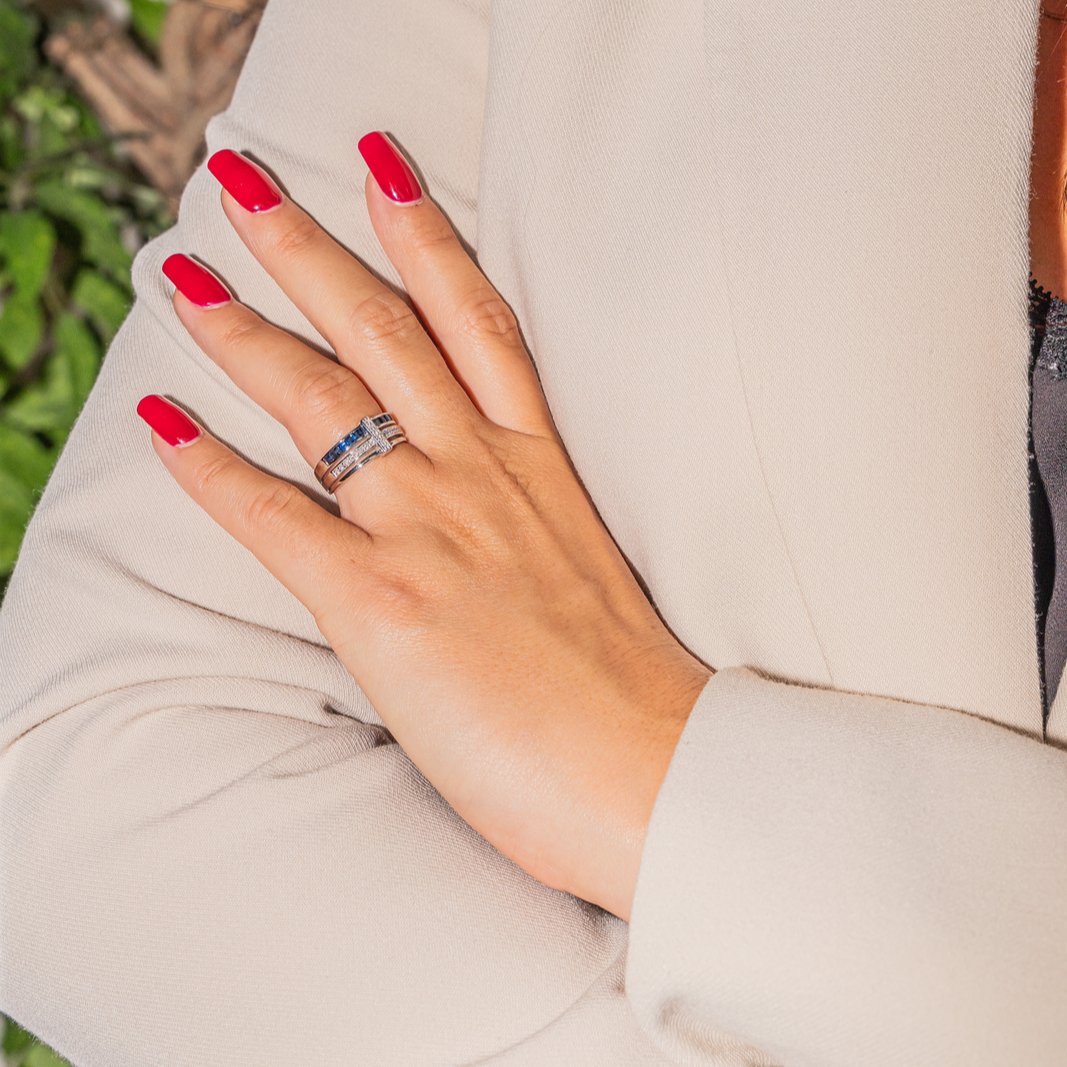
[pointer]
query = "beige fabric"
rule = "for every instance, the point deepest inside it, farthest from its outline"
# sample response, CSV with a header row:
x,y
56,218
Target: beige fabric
x,y
794,233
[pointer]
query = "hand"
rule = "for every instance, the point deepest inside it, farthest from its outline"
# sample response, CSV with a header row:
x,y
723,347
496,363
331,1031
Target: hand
x,y
468,584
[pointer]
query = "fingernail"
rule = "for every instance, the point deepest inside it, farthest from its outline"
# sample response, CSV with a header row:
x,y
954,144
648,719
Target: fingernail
x,y
390,169
170,422
196,282
248,184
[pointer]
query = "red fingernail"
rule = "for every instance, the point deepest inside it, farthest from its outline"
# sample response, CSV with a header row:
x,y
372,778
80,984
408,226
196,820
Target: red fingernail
x,y
170,422
244,181
390,169
195,282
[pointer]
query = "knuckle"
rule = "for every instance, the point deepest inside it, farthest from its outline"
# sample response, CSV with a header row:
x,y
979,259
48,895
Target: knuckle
x,y
431,232
487,315
322,392
293,241
269,508
241,332
383,317
214,474
399,597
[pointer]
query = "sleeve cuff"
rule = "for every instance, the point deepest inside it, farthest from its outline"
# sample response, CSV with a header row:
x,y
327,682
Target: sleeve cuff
x,y
832,878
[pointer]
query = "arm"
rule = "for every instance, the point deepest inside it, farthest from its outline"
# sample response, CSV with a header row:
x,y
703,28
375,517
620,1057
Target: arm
x,y
841,879
210,850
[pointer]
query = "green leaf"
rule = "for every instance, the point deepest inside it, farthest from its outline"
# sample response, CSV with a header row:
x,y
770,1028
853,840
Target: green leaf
x,y
87,174
27,242
11,148
101,243
51,404
15,1038
49,103
53,117
103,301
23,458
21,329
77,349
41,1056
147,17
18,57
43,405
16,507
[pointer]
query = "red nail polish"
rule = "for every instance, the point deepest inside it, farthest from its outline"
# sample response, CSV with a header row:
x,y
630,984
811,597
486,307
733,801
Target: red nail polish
x,y
244,181
195,282
391,171
170,422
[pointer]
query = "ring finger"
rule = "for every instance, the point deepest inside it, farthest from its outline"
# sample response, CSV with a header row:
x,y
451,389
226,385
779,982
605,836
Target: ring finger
x,y
317,399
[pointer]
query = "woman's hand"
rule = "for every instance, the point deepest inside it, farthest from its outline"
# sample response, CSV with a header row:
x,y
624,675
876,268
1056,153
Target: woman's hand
x,y
468,585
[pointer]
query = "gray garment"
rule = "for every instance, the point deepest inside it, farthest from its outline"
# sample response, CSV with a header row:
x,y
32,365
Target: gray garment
x,y
1048,321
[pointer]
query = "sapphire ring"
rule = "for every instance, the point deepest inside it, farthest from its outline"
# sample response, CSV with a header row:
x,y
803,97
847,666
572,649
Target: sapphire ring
x,y
374,436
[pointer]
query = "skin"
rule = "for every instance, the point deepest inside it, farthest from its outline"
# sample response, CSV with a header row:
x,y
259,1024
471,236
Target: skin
x,y
1048,208
468,584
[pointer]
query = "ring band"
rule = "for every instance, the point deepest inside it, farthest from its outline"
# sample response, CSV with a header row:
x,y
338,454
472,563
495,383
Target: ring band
x,y
374,436
359,449
349,440
359,438
360,456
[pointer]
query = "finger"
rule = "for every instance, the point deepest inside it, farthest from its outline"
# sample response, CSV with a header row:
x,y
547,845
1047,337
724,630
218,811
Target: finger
x,y
301,544
372,329
470,321
317,399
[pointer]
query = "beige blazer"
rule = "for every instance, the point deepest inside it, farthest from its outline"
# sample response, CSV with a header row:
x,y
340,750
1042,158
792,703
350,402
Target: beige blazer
x,y
792,235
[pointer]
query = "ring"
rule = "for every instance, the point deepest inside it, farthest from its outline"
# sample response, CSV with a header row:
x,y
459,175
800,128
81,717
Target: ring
x,y
374,436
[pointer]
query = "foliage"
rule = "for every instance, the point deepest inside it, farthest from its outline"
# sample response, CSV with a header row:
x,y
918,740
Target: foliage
x,y
72,215
23,1050
147,17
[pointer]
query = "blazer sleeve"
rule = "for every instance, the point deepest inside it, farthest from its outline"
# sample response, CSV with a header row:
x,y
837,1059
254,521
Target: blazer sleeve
x,y
211,851
833,879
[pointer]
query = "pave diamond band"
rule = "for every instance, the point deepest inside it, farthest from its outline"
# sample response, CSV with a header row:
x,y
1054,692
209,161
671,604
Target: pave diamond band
x,y
374,436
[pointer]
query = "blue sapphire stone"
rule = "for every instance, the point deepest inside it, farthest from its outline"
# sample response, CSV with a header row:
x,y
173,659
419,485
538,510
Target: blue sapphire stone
x,y
348,441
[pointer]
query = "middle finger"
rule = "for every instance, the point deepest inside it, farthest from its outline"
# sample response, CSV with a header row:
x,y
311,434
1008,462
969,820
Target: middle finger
x,y
372,329
316,399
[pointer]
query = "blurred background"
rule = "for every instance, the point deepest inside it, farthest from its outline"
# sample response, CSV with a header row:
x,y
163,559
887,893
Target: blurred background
x,y
103,105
